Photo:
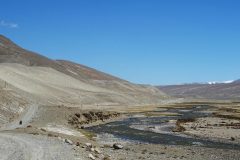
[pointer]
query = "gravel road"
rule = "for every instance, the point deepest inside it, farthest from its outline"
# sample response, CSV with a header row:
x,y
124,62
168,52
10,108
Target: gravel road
x,y
15,146
26,117
30,147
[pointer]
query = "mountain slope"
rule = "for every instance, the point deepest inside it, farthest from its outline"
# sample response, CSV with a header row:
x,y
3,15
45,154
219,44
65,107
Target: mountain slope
x,y
64,82
237,81
221,91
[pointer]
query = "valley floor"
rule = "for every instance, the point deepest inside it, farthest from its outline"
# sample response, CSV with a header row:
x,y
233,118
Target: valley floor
x,y
46,135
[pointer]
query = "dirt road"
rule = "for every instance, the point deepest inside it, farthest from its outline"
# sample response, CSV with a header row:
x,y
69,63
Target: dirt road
x,y
26,117
15,146
29,147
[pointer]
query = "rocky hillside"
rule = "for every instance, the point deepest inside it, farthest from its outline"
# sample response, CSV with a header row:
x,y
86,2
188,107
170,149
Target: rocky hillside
x,y
62,82
219,91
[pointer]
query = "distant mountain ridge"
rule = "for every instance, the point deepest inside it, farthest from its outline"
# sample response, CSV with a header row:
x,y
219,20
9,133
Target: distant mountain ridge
x,y
237,81
211,82
229,90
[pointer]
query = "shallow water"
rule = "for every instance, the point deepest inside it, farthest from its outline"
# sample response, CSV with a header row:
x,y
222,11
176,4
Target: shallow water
x,y
122,129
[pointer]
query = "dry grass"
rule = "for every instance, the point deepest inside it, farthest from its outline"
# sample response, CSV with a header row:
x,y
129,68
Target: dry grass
x,y
88,134
229,111
140,109
150,108
227,115
179,127
153,114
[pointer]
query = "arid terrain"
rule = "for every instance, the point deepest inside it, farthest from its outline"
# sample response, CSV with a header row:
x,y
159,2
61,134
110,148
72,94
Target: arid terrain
x,y
215,91
56,109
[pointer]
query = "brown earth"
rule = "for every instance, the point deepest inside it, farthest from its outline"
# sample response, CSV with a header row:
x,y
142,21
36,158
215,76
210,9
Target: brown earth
x,y
220,91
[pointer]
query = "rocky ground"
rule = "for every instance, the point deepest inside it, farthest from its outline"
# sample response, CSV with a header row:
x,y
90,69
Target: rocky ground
x,y
161,152
214,128
25,146
56,133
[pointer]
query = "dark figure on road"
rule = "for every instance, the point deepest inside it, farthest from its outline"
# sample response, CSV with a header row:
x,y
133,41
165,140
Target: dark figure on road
x,y
20,123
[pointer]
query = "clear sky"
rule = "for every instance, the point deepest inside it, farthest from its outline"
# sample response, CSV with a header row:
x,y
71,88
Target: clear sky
x,y
143,41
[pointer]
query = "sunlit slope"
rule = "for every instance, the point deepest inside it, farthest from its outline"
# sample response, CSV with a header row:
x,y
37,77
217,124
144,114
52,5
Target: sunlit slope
x,y
59,81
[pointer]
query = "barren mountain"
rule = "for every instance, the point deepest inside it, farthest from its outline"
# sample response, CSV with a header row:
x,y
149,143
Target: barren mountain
x,y
219,91
64,82
237,81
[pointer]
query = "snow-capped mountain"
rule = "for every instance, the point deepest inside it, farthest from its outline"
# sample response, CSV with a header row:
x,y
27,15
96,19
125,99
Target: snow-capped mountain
x,y
218,82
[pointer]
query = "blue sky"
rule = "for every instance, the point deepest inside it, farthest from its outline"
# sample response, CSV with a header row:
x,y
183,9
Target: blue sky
x,y
143,41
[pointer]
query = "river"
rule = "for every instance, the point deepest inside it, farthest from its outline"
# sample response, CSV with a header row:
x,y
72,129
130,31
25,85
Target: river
x,y
131,129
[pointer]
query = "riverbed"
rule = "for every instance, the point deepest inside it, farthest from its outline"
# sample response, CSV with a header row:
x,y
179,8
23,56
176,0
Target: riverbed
x,y
158,129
